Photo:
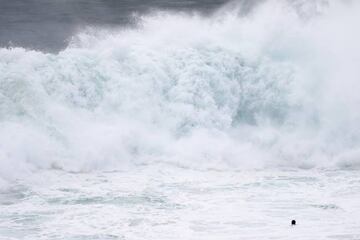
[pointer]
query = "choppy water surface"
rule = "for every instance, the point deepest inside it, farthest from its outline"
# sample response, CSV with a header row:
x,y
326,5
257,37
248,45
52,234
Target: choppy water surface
x,y
176,203
180,124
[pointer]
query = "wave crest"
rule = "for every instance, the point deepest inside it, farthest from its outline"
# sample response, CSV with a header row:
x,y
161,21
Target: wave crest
x,y
272,88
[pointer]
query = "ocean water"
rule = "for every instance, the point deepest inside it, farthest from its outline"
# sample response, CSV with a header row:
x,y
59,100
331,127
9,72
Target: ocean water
x,y
180,120
167,202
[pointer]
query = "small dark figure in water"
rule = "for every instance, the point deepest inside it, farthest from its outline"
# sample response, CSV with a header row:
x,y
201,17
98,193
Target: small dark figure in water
x,y
293,222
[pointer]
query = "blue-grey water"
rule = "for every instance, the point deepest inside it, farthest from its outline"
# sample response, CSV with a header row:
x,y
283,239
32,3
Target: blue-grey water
x,y
165,202
179,119
47,25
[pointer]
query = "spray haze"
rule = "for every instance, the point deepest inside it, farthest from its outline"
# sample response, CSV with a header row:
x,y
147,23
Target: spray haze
x,y
277,87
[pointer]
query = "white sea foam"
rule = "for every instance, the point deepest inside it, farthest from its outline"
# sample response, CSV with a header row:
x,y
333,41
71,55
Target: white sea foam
x,y
274,88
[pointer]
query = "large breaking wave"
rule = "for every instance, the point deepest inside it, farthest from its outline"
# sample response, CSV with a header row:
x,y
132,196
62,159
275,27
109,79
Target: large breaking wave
x,y
278,87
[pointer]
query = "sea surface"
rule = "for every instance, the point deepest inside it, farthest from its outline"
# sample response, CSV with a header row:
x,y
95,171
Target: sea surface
x,y
47,25
166,202
179,119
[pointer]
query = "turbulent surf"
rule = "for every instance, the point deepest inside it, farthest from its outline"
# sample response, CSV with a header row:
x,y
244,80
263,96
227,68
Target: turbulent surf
x,y
276,87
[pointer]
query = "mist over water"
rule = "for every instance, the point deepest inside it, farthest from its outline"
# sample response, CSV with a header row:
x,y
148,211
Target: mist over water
x,y
276,87
179,119
48,25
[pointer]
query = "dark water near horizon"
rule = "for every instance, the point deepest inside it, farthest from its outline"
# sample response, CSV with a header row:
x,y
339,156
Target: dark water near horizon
x,y
47,25
220,127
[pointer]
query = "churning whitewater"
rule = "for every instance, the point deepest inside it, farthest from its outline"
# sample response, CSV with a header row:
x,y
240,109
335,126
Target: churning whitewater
x,y
184,126
277,87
